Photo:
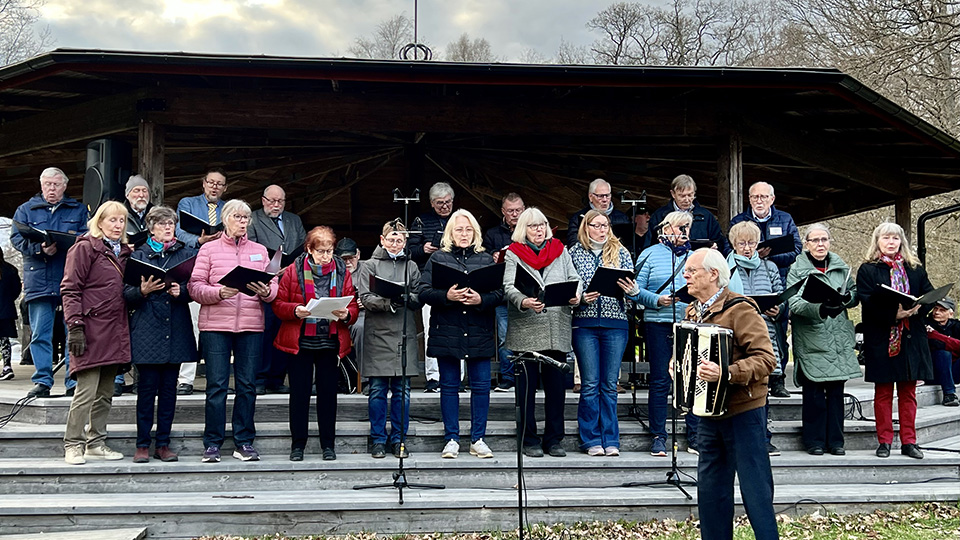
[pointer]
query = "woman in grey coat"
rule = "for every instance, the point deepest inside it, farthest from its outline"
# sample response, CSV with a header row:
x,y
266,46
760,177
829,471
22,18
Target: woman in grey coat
x,y
534,327
383,329
750,275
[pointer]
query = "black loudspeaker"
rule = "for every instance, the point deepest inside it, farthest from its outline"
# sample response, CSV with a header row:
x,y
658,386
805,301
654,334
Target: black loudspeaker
x,y
108,169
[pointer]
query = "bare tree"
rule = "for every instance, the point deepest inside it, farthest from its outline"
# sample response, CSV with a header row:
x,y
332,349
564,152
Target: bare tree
x,y
19,36
466,50
570,54
386,41
907,49
533,56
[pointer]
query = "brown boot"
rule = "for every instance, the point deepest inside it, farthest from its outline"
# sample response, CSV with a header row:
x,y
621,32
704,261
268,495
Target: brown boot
x,y
142,455
164,453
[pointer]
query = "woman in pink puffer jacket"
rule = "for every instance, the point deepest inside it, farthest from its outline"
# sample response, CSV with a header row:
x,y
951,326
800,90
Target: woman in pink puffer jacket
x,y
231,321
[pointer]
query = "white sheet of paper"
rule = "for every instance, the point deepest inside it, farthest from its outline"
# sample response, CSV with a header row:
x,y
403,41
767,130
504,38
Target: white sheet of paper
x,y
323,308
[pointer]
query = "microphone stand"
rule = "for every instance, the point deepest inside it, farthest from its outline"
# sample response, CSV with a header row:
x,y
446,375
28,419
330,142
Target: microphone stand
x,y
400,475
635,341
673,475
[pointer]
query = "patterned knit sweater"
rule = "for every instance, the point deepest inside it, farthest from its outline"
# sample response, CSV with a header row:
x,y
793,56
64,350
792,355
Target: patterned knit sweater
x,y
606,311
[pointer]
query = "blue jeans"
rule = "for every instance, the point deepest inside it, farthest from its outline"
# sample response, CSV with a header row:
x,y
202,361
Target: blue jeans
x,y
217,347
946,371
43,314
659,352
503,353
730,447
479,373
599,354
377,409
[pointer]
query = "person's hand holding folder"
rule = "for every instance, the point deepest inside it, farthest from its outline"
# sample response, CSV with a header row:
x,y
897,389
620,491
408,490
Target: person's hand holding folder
x,y
150,285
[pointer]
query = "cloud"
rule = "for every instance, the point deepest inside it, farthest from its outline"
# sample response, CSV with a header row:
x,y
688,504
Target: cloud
x,y
310,27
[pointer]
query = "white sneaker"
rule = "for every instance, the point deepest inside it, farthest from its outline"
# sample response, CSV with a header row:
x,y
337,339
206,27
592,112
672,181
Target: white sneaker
x,y
595,450
480,449
451,450
611,451
73,455
102,452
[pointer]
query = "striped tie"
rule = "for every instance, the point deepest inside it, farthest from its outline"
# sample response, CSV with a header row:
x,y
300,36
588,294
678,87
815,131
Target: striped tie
x,y
212,213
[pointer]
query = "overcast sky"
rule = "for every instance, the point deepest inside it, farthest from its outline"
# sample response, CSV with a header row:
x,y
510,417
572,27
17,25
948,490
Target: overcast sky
x,y
313,27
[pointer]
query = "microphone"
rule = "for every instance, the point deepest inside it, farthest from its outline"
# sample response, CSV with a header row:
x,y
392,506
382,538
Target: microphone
x,y
543,359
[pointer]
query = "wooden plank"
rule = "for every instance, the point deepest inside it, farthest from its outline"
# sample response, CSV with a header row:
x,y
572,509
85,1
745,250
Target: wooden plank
x,y
150,157
433,114
89,120
729,178
839,160
901,212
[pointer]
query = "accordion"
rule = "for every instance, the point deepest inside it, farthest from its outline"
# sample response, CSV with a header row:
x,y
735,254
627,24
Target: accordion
x,y
694,343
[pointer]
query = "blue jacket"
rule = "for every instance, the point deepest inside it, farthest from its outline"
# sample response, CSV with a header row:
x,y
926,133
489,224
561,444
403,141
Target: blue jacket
x,y
198,207
779,224
704,227
654,266
42,274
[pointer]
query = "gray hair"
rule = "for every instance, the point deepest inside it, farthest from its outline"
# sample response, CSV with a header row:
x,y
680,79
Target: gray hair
x,y
266,189
818,226
158,214
232,206
873,249
530,216
683,181
53,172
440,190
678,219
762,184
713,260
592,188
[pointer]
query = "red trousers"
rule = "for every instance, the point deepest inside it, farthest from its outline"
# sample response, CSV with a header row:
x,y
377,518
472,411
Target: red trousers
x,y
906,407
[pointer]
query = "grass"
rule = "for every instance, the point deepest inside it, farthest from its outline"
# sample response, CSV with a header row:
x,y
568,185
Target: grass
x,y
924,521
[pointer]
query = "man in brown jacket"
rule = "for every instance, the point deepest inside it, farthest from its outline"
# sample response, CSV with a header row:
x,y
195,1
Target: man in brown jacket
x,y
735,443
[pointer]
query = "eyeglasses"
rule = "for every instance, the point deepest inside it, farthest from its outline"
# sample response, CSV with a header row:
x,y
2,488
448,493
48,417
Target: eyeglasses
x,y
167,223
51,185
393,241
691,271
746,244
273,201
463,230
218,185
602,195
821,240
443,203
759,197
240,217
323,251
537,226
598,226
513,212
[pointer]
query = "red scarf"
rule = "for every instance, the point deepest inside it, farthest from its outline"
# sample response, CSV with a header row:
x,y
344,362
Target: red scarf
x,y
538,261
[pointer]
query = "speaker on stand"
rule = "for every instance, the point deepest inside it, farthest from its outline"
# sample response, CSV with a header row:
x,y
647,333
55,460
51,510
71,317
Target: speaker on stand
x,y
107,171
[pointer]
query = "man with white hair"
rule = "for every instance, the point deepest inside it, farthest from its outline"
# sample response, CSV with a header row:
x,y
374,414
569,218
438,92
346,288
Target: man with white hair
x,y
43,270
138,203
773,223
735,443
600,197
424,241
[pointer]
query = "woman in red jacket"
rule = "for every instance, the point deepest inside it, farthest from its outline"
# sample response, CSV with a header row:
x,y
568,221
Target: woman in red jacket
x,y
318,344
99,338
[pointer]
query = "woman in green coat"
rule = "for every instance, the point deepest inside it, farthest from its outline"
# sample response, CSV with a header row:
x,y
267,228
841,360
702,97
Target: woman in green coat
x,y
823,341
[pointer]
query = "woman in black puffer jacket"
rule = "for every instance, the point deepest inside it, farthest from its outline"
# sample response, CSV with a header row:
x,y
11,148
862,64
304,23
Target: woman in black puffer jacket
x,y
462,327
161,333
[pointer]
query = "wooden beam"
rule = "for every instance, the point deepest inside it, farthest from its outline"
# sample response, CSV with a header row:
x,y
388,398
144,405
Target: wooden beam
x,y
831,206
150,154
729,178
823,155
82,122
432,114
901,212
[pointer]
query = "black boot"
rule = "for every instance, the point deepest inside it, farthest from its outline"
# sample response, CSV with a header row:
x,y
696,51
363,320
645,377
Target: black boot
x,y
777,387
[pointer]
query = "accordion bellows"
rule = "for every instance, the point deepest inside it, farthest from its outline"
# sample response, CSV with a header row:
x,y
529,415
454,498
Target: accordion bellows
x,y
695,343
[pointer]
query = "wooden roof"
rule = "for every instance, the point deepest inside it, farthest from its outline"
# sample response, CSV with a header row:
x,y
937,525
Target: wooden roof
x,y
339,134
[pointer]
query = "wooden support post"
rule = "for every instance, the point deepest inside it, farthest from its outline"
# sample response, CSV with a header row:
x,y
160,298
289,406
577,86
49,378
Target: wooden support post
x,y
729,179
151,143
901,212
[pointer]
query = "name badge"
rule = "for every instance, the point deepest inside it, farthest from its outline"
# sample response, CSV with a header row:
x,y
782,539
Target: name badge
x,y
776,231
256,257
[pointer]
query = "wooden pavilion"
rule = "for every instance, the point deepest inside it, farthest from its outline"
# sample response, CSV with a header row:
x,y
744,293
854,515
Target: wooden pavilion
x,y
340,134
